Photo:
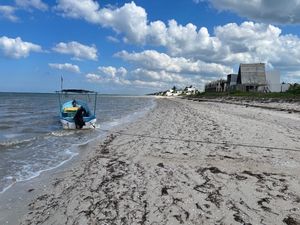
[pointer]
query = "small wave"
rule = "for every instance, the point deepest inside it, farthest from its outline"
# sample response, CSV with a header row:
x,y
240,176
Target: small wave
x,y
9,143
97,126
6,188
31,175
11,135
61,133
8,181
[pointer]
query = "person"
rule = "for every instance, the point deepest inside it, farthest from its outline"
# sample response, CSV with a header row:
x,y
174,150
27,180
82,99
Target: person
x,y
78,118
74,103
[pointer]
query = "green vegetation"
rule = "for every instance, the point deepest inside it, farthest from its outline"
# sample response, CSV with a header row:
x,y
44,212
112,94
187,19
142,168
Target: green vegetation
x,y
294,89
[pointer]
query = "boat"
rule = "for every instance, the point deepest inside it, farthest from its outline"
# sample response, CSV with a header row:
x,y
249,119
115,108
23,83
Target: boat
x,y
75,112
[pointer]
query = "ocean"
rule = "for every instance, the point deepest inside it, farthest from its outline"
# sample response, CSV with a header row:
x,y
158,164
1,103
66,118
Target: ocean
x,y
32,139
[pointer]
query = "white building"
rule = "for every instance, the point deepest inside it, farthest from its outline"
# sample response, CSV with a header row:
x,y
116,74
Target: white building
x,y
172,92
273,82
191,90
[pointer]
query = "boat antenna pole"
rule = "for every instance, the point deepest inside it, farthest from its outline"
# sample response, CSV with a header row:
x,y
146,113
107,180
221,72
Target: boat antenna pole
x,y
61,82
95,103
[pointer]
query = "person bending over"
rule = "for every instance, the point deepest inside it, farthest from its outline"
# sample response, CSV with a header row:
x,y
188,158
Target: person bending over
x,y
78,118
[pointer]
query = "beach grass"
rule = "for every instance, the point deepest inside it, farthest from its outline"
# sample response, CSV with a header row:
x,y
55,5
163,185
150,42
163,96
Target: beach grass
x,y
289,95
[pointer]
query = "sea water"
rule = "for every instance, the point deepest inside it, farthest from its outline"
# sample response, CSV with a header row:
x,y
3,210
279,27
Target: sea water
x,y
32,139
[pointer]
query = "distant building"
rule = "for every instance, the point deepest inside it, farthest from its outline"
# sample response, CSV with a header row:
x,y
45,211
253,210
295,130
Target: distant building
x,y
190,90
231,81
173,92
216,86
170,92
273,82
252,77
179,92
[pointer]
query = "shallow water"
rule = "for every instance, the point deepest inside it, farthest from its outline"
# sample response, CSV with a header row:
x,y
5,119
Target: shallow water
x,y
32,139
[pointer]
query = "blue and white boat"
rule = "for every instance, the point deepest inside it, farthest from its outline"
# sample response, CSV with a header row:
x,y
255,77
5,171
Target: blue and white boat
x,y
74,101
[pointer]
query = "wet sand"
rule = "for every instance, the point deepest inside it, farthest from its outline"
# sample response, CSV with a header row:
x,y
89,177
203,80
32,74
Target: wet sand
x,y
185,162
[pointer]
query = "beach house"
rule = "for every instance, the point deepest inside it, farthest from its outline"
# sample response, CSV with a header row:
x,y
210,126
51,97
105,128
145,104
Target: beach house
x,y
252,77
190,90
216,86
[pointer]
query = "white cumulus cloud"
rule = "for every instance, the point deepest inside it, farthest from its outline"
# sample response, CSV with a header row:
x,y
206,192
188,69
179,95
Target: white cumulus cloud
x,y
129,19
226,46
251,42
78,50
66,67
162,75
8,12
153,60
113,72
272,11
16,48
143,78
229,45
28,4
85,9
110,74
93,78
112,39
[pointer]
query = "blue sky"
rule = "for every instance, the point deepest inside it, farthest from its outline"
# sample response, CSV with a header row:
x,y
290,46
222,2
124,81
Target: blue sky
x,y
142,46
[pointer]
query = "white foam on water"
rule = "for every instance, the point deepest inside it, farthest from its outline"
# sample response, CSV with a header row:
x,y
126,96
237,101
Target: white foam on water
x,y
6,188
9,136
31,175
11,142
61,133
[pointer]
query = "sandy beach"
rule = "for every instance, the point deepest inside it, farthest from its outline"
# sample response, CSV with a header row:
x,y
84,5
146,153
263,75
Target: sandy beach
x,y
185,162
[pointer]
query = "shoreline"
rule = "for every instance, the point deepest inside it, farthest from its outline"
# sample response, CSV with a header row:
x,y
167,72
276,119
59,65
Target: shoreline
x,y
72,149
184,162
15,199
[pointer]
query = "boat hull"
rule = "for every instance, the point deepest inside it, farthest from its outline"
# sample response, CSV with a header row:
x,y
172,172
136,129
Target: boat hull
x,y
70,125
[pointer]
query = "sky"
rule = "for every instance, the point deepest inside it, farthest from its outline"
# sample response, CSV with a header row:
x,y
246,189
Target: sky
x,y
142,46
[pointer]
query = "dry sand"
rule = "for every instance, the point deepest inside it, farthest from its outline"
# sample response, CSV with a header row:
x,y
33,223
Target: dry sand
x,y
184,163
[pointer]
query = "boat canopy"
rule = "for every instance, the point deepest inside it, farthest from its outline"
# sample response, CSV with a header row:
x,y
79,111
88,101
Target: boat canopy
x,y
80,95
76,91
